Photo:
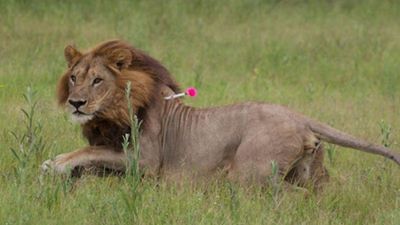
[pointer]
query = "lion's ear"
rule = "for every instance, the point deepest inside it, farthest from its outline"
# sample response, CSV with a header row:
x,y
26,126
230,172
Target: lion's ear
x,y
71,55
120,58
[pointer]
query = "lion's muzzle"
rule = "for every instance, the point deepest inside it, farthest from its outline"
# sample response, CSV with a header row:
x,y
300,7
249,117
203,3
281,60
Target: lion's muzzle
x,y
77,103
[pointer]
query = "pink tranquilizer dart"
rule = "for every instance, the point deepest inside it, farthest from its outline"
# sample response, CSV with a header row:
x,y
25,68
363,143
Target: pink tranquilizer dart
x,y
191,91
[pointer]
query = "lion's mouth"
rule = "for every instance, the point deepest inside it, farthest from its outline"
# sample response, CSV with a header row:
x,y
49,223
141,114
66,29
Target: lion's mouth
x,y
78,113
81,117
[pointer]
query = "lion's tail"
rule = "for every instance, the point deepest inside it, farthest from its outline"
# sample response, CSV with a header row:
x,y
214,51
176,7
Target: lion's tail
x,y
335,136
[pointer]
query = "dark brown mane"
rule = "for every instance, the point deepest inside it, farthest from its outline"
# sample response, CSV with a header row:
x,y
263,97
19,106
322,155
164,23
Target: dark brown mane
x,y
140,61
145,73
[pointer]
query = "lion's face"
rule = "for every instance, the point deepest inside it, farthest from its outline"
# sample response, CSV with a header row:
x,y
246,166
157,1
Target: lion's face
x,y
94,85
91,88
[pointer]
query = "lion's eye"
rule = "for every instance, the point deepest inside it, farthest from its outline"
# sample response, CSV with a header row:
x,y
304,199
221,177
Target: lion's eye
x,y
97,81
73,78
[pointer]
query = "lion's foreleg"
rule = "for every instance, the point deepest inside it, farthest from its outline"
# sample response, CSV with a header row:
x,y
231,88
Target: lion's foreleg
x,y
92,158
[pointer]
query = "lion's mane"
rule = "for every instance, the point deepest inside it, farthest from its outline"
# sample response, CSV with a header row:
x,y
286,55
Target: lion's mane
x,y
128,64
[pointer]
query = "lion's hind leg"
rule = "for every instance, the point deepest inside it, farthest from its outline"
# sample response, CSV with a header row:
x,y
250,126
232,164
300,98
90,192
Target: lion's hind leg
x,y
319,174
94,159
298,161
264,157
309,170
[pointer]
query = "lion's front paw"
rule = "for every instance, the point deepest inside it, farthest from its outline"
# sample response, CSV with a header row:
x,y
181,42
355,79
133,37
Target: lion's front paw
x,y
46,166
58,165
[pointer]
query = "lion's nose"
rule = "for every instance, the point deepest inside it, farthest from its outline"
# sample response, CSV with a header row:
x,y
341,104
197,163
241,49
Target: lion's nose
x,y
77,104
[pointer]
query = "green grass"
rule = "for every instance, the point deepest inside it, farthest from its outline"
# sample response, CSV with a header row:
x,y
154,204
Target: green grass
x,y
336,61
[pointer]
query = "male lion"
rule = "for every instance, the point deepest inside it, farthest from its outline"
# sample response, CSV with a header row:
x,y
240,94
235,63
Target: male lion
x,y
241,140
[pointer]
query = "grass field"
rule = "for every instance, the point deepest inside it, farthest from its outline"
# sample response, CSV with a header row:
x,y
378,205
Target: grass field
x,y
336,61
